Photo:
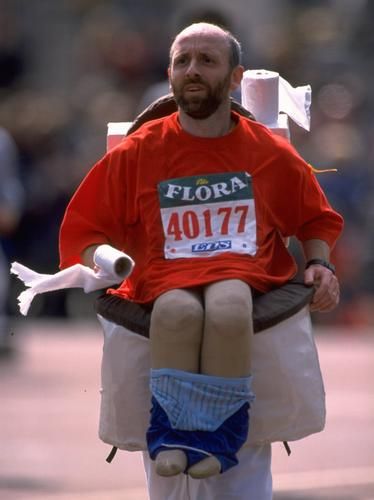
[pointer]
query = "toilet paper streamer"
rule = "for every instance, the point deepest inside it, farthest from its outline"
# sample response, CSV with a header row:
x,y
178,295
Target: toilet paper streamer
x,y
113,267
266,94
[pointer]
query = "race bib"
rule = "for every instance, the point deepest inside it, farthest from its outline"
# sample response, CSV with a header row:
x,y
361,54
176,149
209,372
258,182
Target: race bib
x,y
207,215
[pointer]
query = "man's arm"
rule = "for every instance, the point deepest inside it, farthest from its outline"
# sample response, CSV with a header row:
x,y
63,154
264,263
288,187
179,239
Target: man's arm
x,y
88,256
327,294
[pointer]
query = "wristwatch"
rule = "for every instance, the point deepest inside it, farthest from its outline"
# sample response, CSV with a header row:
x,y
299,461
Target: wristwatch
x,y
321,262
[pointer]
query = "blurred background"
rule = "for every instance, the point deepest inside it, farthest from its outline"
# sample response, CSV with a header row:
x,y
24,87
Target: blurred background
x,y
68,67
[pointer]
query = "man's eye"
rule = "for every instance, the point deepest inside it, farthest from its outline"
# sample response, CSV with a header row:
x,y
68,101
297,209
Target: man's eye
x,y
180,60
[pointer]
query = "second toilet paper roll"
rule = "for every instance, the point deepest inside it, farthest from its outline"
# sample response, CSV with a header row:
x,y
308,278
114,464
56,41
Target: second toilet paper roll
x,y
260,94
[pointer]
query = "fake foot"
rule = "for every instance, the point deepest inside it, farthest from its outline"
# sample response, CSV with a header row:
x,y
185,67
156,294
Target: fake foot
x,y
170,462
207,467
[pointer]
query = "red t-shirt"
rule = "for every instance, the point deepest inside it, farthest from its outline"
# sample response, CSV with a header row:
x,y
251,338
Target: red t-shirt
x,y
193,210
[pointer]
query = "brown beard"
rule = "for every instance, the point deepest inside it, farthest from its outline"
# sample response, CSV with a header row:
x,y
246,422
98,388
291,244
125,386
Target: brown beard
x,y
200,108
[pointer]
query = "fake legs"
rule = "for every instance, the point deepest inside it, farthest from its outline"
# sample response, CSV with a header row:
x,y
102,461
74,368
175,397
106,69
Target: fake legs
x,y
176,330
205,332
226,343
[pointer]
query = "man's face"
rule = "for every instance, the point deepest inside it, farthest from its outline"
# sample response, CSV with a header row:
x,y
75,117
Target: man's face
x,y
199,73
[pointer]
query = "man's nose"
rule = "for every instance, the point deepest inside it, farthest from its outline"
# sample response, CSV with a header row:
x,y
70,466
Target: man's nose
x,y
193,68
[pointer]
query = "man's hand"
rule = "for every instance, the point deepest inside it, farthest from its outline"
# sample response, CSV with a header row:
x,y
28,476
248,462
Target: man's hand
x,y
327,294
88,257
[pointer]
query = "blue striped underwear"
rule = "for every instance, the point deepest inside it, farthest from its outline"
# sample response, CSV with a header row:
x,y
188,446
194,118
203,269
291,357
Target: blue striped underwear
x,y
199,402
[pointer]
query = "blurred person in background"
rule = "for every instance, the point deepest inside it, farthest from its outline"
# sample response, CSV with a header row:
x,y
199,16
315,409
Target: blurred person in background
x,y
11,203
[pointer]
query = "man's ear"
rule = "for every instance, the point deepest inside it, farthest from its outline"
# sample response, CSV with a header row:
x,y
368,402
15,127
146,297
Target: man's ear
x,y
236,77
169,77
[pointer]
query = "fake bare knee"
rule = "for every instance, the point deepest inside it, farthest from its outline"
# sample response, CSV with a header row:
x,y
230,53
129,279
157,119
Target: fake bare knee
x,y
180,314
230,315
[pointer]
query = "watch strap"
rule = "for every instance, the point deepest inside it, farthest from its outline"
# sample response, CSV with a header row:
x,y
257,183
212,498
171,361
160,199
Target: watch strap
x,y
320,262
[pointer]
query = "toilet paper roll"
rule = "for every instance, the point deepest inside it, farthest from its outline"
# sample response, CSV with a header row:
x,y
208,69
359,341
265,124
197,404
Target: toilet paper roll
x,y
260,95
282,127
112,262
267,95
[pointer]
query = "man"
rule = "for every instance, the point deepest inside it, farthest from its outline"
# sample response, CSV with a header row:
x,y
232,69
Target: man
x,y
201,200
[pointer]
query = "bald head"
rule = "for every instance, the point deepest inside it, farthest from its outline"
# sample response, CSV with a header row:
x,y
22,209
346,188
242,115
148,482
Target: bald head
x,y
212,31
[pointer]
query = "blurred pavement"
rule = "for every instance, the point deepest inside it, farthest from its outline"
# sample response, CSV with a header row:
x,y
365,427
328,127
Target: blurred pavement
x,y
49,417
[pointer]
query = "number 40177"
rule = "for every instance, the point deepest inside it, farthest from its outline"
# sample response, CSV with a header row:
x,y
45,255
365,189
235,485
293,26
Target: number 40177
x,y
189,225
